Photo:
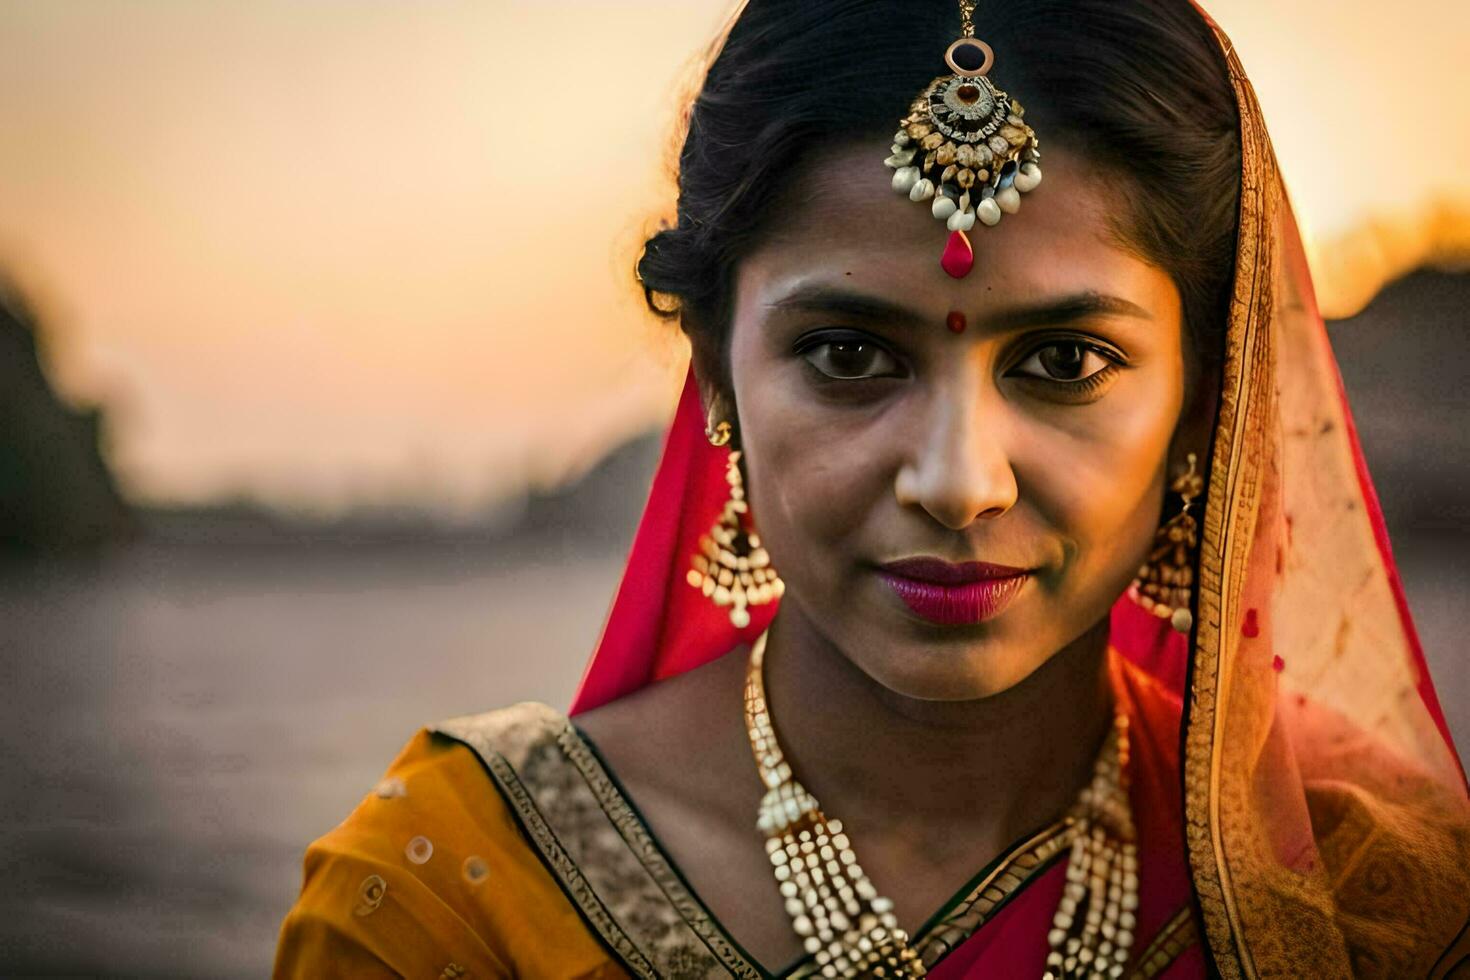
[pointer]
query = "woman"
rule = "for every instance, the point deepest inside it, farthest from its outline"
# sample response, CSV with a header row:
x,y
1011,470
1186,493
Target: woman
x,y
1089,631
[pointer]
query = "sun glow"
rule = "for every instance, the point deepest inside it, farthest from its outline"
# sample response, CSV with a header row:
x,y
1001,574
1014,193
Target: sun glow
x,y
343,252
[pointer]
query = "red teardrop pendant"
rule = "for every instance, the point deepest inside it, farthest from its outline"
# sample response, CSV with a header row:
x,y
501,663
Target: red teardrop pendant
x,y
958,258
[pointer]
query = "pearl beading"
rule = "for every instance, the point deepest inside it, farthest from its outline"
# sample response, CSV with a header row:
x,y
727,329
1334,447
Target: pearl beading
x,y
852,930
834,908
1092,930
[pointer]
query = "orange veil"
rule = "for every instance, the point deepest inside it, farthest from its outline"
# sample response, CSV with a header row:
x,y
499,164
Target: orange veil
x,y
1327,822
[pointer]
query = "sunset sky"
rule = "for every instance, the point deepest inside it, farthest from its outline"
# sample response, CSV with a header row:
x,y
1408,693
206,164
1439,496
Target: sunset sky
x,y
341,252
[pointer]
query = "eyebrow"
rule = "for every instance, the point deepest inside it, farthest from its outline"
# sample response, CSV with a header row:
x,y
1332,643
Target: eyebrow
x,y
1060,310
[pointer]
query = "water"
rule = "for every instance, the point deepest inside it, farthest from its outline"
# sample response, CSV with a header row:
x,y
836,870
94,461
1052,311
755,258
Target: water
x,y
178,724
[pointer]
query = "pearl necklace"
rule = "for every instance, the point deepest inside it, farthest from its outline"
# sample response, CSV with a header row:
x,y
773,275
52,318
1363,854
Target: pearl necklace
x,y
852,930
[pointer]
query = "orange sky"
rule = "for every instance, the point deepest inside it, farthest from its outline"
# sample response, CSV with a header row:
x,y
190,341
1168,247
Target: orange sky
x,y
341,252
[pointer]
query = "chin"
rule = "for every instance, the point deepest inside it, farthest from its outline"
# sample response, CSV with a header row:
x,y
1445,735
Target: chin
x,y
940,672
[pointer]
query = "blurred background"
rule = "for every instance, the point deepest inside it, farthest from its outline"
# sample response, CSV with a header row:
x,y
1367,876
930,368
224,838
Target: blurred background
x,y
328,405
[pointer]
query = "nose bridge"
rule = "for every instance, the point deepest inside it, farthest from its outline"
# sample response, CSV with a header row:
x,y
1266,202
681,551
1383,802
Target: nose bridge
x,y
960,466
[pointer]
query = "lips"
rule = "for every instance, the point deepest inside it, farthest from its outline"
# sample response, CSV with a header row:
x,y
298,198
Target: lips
x,y
943,592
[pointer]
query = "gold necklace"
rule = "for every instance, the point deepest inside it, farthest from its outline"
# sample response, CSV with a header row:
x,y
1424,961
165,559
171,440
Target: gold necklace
x,y
852,930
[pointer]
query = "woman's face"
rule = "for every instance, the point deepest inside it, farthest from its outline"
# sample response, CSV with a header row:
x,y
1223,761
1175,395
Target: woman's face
x,y
1039,437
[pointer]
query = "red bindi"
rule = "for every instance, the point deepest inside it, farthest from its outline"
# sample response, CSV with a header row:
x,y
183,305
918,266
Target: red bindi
x,y
955,321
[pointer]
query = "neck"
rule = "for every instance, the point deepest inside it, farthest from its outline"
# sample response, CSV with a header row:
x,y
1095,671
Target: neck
x,y
996,768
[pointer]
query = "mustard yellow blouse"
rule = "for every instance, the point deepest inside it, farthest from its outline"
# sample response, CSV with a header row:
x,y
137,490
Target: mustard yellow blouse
x,y
430,876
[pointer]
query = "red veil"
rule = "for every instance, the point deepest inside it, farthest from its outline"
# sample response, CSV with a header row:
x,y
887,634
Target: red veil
x,y
1323,806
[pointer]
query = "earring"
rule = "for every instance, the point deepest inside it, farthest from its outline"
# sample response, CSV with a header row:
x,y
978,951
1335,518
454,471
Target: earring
x,y
730,566
1164,580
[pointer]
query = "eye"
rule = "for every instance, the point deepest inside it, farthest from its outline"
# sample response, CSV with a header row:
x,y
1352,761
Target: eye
x,y
1065,362
851,359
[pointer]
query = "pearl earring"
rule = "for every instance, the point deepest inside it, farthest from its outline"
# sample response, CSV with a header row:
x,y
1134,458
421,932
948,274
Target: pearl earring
x,y
730,566
1165,580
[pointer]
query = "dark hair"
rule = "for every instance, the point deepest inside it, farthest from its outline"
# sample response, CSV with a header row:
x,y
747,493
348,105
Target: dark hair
x,y
1138,86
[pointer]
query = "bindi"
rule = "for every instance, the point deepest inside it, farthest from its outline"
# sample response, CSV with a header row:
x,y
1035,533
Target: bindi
x,y
955,321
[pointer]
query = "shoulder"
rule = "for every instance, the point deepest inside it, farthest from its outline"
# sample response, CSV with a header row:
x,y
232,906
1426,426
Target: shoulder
x,y
513,734
594,843
444,795
431,870
680,739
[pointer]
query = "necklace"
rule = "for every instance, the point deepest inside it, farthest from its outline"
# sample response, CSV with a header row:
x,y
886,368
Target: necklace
x,y
852,930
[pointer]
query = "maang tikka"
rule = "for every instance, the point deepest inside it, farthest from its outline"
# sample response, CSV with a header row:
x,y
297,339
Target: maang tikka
x,y
965,147
730,566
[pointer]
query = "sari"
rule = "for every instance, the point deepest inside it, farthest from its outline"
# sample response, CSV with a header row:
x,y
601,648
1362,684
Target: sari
x,y
1300,805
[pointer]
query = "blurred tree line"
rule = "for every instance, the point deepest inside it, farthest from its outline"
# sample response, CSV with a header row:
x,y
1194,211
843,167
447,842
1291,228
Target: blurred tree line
x,y
56,493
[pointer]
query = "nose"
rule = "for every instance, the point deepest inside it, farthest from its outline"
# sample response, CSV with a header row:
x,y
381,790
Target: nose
x,y
958,469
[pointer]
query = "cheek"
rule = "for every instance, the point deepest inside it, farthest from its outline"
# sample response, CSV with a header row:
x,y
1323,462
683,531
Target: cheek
x,y
1100,481
813,469
808,478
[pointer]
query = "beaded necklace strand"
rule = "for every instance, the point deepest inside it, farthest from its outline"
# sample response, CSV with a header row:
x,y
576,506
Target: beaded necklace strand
x,y
852,930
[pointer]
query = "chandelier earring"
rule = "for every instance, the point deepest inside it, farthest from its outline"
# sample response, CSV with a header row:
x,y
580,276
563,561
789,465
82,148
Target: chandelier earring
x,y
730,566
1166,579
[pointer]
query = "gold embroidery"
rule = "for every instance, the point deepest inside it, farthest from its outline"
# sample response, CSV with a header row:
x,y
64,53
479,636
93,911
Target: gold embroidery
x,y
566,869
630,898
1177,935
647,851
1226,529
370,895
1004,879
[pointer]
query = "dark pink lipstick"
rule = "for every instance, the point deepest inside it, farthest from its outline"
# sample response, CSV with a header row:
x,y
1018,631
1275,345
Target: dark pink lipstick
x,y
944,592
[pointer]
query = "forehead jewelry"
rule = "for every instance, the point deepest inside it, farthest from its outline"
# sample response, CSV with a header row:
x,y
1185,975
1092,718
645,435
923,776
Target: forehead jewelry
x,y
964,147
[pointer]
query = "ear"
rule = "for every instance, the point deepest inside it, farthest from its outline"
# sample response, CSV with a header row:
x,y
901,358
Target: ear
x,y
1195,430
711,400
706,362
